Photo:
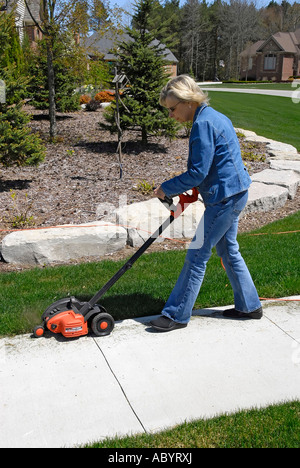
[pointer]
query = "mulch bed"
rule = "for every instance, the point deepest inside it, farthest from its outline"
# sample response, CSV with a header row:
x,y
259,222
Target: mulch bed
x,y
81,170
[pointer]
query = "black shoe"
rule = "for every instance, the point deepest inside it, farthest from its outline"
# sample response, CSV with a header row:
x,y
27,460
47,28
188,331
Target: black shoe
x,y
165,324
233,313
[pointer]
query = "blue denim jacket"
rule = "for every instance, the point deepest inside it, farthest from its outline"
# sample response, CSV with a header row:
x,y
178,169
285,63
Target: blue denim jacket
x,y
214,165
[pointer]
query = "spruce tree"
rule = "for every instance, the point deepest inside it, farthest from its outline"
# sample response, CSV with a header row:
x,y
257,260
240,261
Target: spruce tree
x,y
64,79
142,60
18,146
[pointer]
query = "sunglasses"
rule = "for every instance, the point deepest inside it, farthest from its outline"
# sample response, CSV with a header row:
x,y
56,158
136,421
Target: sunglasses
x,y
171,109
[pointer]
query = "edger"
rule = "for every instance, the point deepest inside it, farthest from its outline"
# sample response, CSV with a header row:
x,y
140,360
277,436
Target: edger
x,y
73,318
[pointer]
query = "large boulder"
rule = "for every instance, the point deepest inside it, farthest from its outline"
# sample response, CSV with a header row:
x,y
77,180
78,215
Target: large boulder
x,y
264,197
142,219
62,244
280,150
285,165
288,179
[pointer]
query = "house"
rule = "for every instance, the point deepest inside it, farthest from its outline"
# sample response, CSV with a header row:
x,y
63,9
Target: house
x,y
24,22
276,59
19,9
32,31
105,45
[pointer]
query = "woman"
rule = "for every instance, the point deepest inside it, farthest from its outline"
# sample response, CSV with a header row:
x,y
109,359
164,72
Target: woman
x,y
216,169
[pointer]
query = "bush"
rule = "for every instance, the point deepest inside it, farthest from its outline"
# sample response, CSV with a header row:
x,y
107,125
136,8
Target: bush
x,y
142,60
93,105
17,144
105,96
84,99
65,83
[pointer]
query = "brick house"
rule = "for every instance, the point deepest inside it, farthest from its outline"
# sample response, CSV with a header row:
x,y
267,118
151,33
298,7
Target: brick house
x,y
32,31
276,59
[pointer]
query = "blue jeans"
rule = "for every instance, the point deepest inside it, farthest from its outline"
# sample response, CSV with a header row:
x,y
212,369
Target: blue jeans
x,y
218,228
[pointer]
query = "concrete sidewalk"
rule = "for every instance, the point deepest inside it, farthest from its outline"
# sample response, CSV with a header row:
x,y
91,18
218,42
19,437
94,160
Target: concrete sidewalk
x,y
58,393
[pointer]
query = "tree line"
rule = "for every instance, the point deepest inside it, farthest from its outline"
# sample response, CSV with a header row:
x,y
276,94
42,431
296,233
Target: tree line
x,y
207,38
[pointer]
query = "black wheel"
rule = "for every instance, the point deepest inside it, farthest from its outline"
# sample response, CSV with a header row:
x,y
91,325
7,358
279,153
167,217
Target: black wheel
x,y
102,324
38,331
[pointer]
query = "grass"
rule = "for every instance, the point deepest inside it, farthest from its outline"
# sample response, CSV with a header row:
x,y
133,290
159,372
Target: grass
x,y
273,117
272,259
276,426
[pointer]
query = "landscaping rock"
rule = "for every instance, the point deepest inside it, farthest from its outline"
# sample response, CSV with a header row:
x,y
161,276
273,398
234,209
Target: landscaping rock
x,y
275,149
264,197
105,104
285,165
288,179
280,150
251,136
61,244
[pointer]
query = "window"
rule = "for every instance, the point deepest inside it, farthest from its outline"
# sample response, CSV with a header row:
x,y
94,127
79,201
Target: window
x,y
270,62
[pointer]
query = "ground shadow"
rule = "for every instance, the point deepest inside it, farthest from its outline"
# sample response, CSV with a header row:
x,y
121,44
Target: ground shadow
x,y
39,117
129,147
217,314
212,313
18,184
130,306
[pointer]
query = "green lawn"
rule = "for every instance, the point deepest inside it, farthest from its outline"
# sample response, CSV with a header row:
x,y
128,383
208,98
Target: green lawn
x,y
272,259
273,117
276,426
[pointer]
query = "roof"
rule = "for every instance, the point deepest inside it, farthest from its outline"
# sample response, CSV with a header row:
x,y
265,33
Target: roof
x,y
104,43
286,41
252,49
35,8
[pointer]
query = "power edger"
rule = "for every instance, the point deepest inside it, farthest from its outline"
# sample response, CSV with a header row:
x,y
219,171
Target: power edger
x,y
73,318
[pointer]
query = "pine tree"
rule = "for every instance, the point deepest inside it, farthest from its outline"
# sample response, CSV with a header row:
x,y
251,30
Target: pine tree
x,y
17,144
64,79
141,58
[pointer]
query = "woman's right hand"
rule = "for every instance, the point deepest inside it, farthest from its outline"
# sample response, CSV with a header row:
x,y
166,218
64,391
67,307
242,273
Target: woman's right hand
x,y
159,193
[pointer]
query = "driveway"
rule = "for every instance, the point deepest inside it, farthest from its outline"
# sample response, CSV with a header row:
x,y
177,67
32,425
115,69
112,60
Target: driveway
x,y
294,93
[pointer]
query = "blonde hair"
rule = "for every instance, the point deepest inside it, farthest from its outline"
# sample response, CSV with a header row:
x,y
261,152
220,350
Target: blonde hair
x,y
184,88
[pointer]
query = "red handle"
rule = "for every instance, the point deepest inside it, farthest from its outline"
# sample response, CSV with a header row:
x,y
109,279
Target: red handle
x,y
184,201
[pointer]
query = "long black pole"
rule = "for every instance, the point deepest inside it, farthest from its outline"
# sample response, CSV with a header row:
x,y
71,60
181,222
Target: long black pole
x,y
89,305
